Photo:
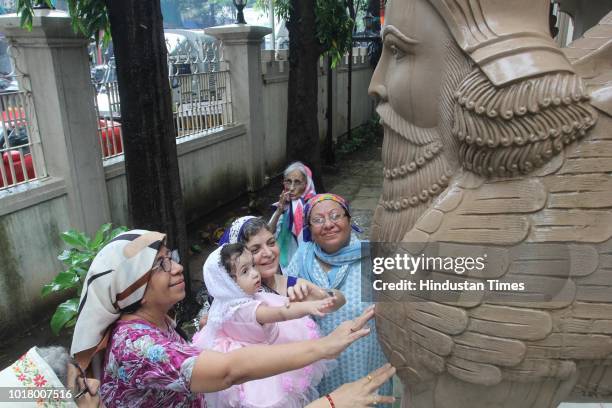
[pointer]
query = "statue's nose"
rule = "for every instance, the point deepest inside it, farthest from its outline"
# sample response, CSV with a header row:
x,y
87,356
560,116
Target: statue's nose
x,y
378,92
377,88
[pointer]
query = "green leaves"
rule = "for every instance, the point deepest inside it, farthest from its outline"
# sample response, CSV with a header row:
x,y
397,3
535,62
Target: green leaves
x,y
75,238
63,280
65,313
88,16
334,29
282,8
24,9
77,258
334,25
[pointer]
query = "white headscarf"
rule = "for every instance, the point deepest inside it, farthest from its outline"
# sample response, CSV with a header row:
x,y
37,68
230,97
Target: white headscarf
x,y
117,278
297,206
231,235
228,297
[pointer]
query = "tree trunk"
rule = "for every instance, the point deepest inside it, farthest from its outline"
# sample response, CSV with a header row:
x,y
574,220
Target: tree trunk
x,y
302,122
155,199
330,157
349,91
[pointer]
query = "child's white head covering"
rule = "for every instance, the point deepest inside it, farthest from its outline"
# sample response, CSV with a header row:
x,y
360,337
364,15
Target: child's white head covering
x,y
228,297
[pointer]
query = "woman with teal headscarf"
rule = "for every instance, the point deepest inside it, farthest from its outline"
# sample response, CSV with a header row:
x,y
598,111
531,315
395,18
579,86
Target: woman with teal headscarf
x,y
333,261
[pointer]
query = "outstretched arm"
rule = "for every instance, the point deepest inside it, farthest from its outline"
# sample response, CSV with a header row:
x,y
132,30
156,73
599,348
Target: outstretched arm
x,y
270,314
217,371
306,290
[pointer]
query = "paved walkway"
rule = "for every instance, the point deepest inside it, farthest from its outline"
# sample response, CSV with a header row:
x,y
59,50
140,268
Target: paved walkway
x,y
359,180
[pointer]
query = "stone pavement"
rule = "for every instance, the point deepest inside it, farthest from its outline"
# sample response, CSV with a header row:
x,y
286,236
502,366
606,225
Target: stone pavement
x,y
359,180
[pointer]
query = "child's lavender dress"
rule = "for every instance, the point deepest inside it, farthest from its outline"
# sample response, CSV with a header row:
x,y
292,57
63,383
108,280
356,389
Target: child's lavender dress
x,y
293,389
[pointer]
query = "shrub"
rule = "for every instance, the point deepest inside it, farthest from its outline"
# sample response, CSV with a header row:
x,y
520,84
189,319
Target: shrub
x,y
77,258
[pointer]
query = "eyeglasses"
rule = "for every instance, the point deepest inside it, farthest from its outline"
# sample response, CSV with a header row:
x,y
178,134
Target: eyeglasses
x,y
289,183
334,217
165,263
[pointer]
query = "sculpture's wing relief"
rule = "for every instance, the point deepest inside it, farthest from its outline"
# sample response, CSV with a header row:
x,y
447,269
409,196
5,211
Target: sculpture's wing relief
x,y
549,230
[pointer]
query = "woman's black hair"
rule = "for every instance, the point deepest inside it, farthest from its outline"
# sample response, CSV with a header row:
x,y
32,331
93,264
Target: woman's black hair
x,y
251,228
131,309
229,253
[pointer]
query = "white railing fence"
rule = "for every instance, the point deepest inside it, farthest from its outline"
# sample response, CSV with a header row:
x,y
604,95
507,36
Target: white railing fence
x,y
20,146
201,95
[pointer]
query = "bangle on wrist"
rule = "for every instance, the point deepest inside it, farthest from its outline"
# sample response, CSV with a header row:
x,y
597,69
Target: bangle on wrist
x,y
330,400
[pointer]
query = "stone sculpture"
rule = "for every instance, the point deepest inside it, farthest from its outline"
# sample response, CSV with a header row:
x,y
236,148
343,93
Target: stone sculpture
x,y
495,136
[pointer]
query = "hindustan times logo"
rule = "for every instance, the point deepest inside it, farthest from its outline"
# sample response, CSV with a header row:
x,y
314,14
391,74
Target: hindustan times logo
x,y
412,264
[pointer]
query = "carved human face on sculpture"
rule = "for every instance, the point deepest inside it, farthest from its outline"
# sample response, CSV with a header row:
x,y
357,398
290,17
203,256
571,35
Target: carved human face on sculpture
x,y
409,74
515,107
414,80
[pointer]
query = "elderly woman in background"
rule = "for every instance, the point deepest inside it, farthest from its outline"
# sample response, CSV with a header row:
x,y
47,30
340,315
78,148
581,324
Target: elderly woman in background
x,y
333,261
131,285
287,222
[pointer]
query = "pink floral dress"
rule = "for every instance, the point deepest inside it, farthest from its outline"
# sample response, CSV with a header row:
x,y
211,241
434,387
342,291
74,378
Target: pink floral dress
x,y
293,389
147,367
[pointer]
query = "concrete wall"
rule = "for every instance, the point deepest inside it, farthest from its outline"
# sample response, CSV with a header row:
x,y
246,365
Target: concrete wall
x,y
362,107
30,227
212,174
276,79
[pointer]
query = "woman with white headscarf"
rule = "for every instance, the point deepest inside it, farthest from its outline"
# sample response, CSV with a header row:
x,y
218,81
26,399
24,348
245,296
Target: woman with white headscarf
x,y
131,285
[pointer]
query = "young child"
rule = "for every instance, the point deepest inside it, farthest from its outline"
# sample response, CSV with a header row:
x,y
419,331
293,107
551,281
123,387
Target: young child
x,y
288,220
242,315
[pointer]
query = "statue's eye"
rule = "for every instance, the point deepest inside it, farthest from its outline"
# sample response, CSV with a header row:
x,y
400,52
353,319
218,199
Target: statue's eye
x,y
396,51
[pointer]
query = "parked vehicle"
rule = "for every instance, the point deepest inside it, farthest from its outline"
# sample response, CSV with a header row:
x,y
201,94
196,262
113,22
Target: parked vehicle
x,y
14,157
109,137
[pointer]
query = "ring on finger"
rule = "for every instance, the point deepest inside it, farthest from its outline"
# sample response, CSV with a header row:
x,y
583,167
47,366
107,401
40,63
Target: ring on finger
x,y
369,378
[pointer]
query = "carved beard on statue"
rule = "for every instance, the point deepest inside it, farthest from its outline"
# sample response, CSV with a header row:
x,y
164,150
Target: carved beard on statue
x,y
418,162
415,170
490,131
